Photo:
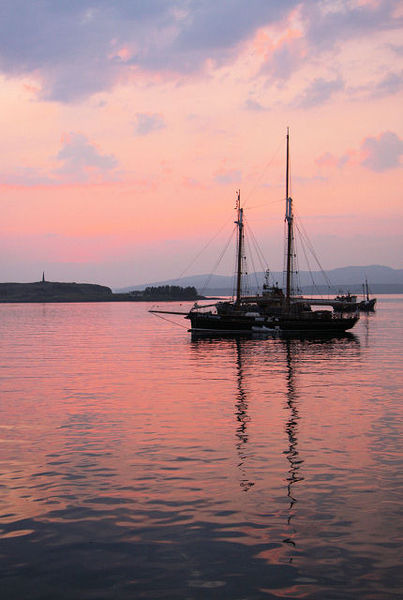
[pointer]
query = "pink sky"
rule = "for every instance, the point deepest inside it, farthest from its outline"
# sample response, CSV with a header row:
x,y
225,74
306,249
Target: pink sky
x,y
128,126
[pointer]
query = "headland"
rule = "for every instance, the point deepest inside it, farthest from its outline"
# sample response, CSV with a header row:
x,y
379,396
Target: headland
x,y
56,291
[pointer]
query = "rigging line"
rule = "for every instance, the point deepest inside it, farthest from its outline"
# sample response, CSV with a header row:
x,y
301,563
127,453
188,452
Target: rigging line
x,y
265,204
312,250
306,258
284,252
252,263
218,261
265,168
298,286
246,286
315,285
171,322
234,273
202,250
252,244
261,257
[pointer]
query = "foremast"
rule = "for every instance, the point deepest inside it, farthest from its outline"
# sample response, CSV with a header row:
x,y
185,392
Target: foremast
x,y
290,229
239,222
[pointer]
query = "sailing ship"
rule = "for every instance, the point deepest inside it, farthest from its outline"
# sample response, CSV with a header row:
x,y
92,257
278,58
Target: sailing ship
x,y
272,311
367,304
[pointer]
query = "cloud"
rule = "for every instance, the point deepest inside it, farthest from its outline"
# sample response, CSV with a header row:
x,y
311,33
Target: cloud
x,y
382,153
192,183
146,123
329,160
27,177
76,48
375,153
253,105
319,92
397,49
224,177
286,58
316,29
392,83
330,23
81,160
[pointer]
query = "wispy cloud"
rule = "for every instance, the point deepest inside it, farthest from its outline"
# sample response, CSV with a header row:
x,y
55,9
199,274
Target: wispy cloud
x,y
76,49
145,123
330,23
391,83
81,48
329,160
378,154
254,105
80,160
224,177
319,92
383,152
26,177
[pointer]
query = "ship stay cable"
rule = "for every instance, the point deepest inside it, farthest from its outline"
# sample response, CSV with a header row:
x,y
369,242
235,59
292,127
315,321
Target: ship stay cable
x,y
218,261
259,253
304,250
170,321
251,241
250,254
204,248
259,179
275,311
304,236
303,241
247,286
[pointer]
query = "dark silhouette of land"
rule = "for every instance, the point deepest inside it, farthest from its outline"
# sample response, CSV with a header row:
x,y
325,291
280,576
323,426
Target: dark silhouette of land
x,y
381,280
55,291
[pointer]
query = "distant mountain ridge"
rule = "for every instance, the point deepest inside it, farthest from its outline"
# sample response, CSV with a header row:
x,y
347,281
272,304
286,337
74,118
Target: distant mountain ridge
x,y
381,279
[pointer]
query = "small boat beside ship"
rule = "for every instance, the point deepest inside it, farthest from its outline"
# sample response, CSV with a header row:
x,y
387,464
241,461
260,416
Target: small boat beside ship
x,y
367,304
348,302
272,311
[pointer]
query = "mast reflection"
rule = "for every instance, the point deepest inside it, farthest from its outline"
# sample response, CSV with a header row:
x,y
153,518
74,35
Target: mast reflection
x,y
242,417
291,429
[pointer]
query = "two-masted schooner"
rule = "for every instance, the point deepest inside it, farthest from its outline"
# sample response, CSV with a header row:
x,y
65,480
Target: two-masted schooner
x,y
272,310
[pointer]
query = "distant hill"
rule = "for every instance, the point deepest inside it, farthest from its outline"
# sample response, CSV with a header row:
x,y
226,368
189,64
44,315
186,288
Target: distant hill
x,y
56,291
381,279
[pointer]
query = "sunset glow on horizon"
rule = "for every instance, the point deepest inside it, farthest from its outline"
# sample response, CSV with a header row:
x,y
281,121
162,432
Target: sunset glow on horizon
x,y
128,126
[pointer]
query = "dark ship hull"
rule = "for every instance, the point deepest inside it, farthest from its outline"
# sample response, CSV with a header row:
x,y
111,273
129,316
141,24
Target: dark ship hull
x,y
319,322
367,305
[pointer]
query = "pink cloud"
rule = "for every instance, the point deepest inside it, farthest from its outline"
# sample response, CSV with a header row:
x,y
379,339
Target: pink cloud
x,y
226,176
383,152
377,154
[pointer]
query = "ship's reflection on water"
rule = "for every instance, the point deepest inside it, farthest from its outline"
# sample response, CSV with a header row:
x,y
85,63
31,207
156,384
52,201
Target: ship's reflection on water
x,y
139,464
291,428
242,417
253,357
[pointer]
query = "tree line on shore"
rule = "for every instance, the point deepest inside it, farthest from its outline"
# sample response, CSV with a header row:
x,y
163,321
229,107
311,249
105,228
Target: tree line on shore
x,y
171,292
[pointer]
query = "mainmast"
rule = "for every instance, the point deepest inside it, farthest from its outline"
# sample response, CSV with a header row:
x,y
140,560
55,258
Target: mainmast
x,y
289,219
239,222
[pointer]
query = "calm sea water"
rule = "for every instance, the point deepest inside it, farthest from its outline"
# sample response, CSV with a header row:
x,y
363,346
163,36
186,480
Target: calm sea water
x,y
139,463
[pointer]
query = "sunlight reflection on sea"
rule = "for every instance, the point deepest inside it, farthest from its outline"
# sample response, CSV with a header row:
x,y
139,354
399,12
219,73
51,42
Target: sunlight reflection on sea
x,y
139,462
